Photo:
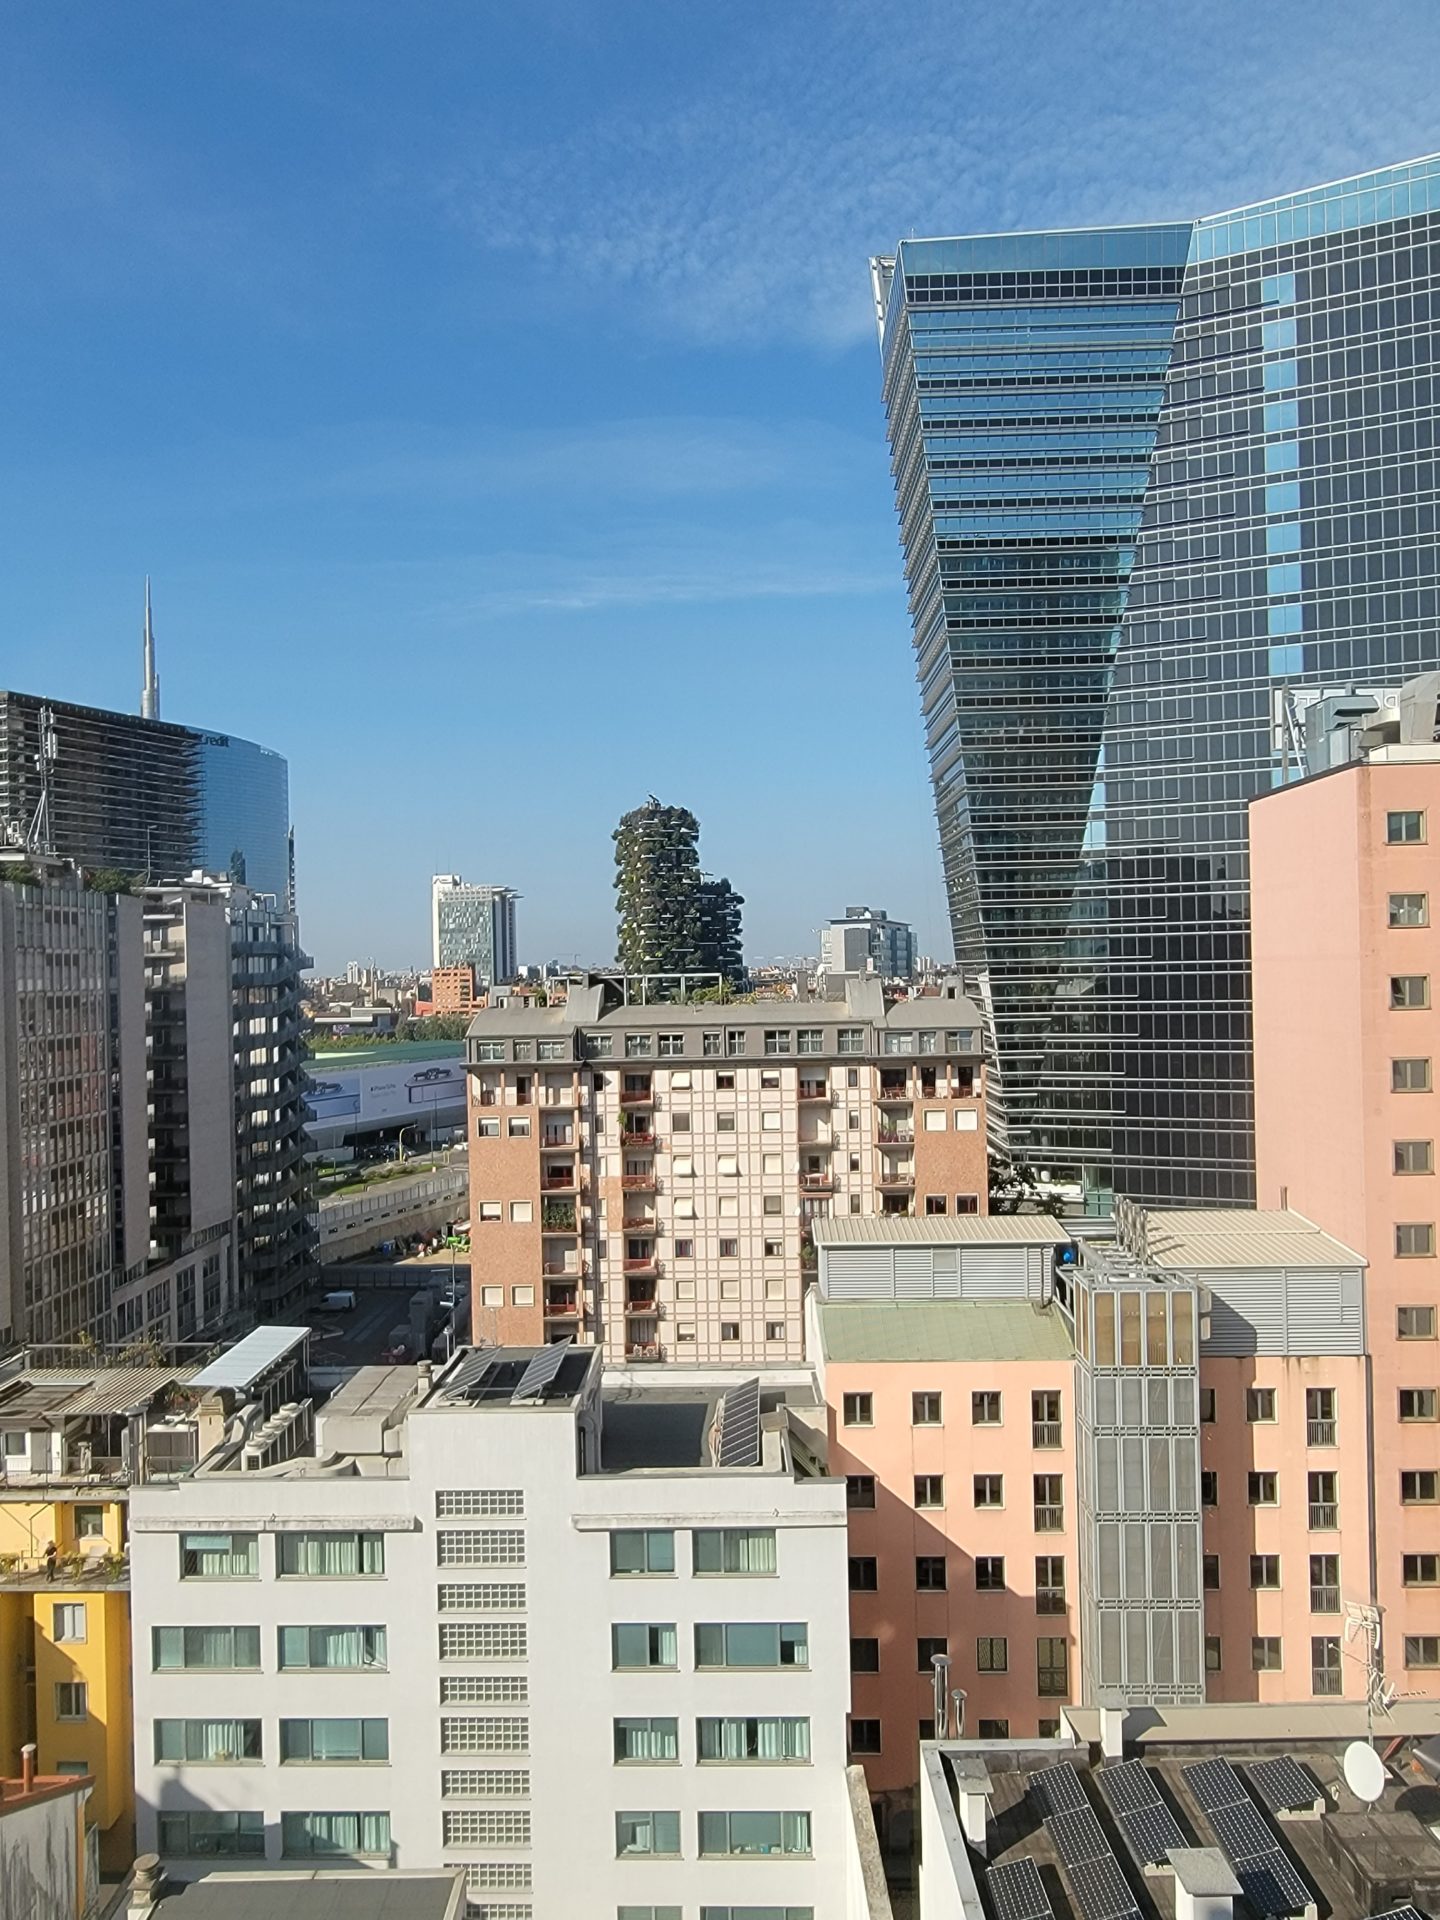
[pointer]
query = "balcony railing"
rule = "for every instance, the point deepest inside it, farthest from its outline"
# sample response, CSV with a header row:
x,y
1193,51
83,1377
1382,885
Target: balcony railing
x,y
644,1351
557,1219
818,1183
1050,1600
636,1097
638,1182
640,1267
1320,1433
896,1136
896,1179
558,1137
814,1090
560,1303
1325,1599
1324,1516
562,1181
895,1096
1049,1519
1045,1433
642,1303
553,1098
559,1269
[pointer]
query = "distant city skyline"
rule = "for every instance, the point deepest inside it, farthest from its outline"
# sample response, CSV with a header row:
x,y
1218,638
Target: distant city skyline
x,y
482,579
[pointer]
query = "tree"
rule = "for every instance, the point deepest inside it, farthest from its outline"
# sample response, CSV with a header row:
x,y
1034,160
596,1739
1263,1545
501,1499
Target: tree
x,y
1015,1188
672,917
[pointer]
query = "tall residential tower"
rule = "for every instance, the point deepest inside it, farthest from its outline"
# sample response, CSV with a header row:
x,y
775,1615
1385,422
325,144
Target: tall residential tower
x,y
473,926
1160,489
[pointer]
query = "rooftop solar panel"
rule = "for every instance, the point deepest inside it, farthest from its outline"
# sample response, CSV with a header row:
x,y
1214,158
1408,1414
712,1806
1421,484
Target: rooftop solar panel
x,y
1400,1913
740,1426
1128,1787
1271,1884
1283,1785
540,1372
1102,1891
1215,1783
1150,1833
1078,1836
1057,1789
1243,1833
470,1372
1017,1891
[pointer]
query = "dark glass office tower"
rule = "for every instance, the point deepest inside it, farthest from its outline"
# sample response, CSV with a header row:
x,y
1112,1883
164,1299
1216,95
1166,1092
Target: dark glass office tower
x,y
1160,489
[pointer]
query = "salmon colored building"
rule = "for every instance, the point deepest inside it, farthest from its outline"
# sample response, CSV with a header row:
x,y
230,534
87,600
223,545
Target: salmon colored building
x,y
1346,958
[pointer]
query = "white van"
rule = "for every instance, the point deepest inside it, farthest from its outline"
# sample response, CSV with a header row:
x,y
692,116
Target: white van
x,y
342,1302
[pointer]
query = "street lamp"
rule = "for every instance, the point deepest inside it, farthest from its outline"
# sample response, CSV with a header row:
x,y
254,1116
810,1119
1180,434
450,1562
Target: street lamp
x,y
409,1127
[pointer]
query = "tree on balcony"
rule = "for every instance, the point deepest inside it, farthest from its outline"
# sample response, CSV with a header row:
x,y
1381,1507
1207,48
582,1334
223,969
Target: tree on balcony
x,y
672,917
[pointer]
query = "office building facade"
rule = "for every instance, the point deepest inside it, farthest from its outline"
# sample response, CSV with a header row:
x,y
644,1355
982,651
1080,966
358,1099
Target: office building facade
x,y
141,796
648,1177
473,926
1159,488
867,941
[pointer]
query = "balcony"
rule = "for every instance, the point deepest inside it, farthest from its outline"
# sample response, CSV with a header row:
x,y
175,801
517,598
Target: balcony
x,y
1325,1599
557,1097
895,1093
562,1303
896,1180
558,1180
1049,1519
1050,1600
639,1182
637,1301
643,1351
643,1137
1320,1433
818,1182
489,1098
558,1137
557,1218
896,1136
1324,1516
1045,1433
636,1097
815,1091
642,1267
564,1270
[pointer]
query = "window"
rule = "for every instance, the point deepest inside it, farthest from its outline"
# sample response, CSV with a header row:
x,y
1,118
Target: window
x,y
925,1409
734,1045
729,1329
519,1129
1049,1503
89,1523
330,1556
1422,1650
736,1741
966,1202
1420,1569
730,1250
753,1833
486,1826
1409,991
992,1654
1323,1491
1259,1404
1325,1664
989,1490
221,1649
69,1621
486,1733
1210,1573
211,1836
1324,1583
929,1489
859,1490
993,1730
1416,1403
858,1409
1050,1583
850,1040
864,1654
1045,1420
864,1736
710,1046
636,1550
990,1573
336,1742
1414,1156
303,1836
1415,1240
934,1203
652,1833
1052,1668
930,1573
747,1551
1419,1488
1409,910
1047,1729
864,1573
1320,1416
206,1742
219,1556
71,1700
1263,1489
1265,1654
670,1045
1209,1488
483,1689
725,1123
932,1120
760,1643
636,1645
926,1650
1212,1653
1264,1571
646,1742
1207,1406
1415,1323
1410,1076
637,1045
810,1040
1405,829
351,1649
480,1547
985,1409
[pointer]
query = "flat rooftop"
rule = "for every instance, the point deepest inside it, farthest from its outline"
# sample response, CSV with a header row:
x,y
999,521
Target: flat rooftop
x,y
403,1053
1355,1861
944,1230
1241,1237
322,1894
941,1330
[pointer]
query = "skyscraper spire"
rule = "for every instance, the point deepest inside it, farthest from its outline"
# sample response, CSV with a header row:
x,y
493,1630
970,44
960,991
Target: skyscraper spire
x,y
150,691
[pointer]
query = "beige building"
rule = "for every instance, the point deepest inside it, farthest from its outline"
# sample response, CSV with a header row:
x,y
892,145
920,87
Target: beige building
x,y
1347,1048
647,1177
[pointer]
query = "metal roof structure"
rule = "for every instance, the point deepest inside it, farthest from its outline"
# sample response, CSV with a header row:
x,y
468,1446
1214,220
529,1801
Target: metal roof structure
x,y
942,1230
941,1331
1241,1237
242,1365
46,1396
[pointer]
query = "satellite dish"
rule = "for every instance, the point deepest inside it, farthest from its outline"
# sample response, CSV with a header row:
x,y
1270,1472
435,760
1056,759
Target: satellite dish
x,y
1364,1771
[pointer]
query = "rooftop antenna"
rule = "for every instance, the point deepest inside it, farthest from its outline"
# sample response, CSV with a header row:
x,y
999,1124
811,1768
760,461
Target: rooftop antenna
x,y
39,835
150,689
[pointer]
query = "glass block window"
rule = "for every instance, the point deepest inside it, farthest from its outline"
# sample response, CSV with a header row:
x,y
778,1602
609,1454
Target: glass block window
x,y
485,1783
486,1733
486,1827
484,1546
479,1503
484,1689
482,1875
483,1596
483,1640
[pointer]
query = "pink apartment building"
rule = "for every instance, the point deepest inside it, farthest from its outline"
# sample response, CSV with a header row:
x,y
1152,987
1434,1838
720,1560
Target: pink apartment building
x,y
1346,961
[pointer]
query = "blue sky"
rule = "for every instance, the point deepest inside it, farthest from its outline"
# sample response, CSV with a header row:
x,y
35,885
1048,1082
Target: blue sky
x,y
492,392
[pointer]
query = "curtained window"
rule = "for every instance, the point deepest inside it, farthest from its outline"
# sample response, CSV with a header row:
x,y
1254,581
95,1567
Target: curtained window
x,y
354,1648
735,1550
219,1556
305,1834
210,1743
767,1741
330,1556
647,1740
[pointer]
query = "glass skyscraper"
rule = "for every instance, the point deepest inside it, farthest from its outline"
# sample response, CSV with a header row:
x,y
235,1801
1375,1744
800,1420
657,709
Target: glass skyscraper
x,y
1160,488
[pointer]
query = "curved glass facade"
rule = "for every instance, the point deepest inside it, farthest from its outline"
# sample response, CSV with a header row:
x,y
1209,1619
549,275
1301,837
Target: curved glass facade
x,y
245,814
1158,487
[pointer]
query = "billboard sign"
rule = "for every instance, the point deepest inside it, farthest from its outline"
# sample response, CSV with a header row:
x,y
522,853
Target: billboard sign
x,y
344,1099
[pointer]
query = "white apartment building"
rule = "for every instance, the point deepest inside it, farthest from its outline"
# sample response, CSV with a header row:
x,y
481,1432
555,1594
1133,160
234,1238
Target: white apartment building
x,y
511,1619
473,926
647,1176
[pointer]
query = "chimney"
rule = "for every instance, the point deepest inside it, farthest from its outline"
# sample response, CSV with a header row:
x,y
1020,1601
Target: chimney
x,y
1112,1732
27,1767
422,1376
147,1887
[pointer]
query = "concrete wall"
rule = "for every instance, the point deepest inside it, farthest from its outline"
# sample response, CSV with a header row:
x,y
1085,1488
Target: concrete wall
x,y
41,1877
